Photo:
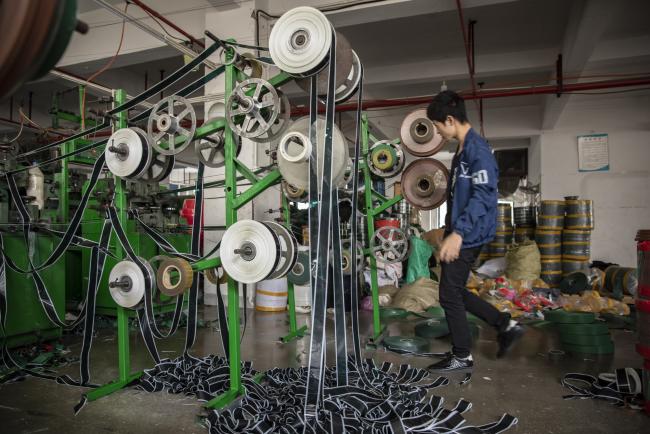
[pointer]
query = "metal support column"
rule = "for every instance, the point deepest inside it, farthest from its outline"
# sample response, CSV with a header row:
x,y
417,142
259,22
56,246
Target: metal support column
x,y
123,350
294,331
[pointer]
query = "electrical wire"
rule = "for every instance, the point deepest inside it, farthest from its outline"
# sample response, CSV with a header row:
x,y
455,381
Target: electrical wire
x,y
20,132
160,25
101,71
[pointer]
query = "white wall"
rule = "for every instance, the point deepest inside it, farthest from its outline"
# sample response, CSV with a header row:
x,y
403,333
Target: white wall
x,y
622,195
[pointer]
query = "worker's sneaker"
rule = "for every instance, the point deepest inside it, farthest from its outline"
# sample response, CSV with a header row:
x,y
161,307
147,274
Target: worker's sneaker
x,y
509,336
452,363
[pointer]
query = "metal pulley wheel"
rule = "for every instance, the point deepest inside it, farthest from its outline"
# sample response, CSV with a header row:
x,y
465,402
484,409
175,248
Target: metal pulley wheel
x,y
252,115
281,123
344,71
300,41
35,34
385,159
211,150
127,282
249,65
212,274
294,150
299,274
288,250
390,245
419,136
250,251
351,84
168,124
424,183
346,256
128,153
158,169
294,194
174,276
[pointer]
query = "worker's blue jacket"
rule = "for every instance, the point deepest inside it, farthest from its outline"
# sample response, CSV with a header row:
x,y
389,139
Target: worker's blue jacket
x,y
474,184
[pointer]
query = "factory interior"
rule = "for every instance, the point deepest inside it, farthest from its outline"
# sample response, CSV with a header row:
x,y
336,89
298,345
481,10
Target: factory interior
x,y
325,216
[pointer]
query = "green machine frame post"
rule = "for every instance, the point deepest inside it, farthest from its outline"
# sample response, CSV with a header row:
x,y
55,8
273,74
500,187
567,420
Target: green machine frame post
x,y
230,151
371,213
294,331
123,350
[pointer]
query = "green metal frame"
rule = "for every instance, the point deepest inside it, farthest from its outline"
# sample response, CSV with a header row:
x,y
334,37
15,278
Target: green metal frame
x,y
294,331
372,212
123,347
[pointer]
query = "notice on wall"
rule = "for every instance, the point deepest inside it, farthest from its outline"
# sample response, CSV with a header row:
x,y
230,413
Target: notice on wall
x,y
593,153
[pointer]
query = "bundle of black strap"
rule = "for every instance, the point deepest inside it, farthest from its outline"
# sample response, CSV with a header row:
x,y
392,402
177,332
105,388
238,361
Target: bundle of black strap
x,y
622,388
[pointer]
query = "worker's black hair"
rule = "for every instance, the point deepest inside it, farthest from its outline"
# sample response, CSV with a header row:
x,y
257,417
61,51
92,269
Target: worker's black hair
x,y
447,103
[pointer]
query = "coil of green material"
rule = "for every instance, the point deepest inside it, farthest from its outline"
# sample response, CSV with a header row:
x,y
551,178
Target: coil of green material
x,y
607,348
564,317
299,274
585,340
582,329
406,344
388,313
432,328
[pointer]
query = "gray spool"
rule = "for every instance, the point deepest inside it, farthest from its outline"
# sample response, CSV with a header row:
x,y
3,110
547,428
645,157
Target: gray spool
x,y
550,222
524,216
571,266
549,243
299,274
576,245
504,214
551,271
552,207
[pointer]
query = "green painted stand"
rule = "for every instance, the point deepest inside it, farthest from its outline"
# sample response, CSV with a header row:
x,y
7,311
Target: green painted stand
x,y
123,352
294,331
234,201
379,331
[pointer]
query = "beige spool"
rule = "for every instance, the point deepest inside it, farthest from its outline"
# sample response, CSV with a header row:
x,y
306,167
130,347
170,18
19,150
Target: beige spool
x,y
271,295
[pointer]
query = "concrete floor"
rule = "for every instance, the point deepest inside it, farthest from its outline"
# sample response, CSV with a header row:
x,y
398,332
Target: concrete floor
x,y
524,384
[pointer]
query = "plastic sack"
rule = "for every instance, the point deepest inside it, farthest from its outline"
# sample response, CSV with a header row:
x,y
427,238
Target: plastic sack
x,y
417,296
418,264
523,261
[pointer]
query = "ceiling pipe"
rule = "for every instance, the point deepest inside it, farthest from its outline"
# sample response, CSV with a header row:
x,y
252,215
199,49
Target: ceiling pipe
x,y
485,94
168,22
153,32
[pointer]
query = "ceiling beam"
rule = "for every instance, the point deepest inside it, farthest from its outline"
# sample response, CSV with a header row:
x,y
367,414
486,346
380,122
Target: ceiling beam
x,y
587,22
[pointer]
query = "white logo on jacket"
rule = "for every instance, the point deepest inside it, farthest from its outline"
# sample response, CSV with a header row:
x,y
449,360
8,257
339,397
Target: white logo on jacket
x,y
480,177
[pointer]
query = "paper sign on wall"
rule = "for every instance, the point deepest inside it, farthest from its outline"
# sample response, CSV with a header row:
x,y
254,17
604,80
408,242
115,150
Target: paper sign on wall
x,y
593,153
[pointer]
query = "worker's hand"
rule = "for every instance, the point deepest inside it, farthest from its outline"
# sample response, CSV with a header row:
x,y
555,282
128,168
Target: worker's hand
x,y
450,247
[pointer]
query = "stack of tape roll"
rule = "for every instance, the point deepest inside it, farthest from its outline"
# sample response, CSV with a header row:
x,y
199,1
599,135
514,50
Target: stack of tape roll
x,y
551,215
575,250
579,214
643,308
549,243
524,216
580,332
621,281
503,237
271,295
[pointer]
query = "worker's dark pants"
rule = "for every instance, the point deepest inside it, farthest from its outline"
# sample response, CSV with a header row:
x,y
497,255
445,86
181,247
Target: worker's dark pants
x,y
457,300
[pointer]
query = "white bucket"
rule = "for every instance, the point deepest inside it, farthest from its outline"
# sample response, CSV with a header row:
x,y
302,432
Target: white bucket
x,y
271,295
302,295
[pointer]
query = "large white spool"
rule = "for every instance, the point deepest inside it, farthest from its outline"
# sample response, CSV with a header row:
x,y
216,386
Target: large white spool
x,y
249,251
271,295
129,273
295,168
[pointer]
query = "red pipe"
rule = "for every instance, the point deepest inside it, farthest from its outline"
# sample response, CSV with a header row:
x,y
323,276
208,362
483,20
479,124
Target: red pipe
x,y
169,23
470,67
484,94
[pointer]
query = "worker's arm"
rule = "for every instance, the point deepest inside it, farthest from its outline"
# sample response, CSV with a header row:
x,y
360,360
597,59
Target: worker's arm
x,y
483,196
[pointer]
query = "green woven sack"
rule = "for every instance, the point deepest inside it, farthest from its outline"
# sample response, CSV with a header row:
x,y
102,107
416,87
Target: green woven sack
x,y
523,261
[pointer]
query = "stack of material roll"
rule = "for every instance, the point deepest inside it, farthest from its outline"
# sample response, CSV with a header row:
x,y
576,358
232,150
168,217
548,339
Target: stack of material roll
x,y
576,237
580,332
524,223
643,309
548,236
503,238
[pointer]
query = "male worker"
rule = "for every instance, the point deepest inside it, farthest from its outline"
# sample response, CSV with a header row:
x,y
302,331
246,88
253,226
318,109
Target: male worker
x,y
470,223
